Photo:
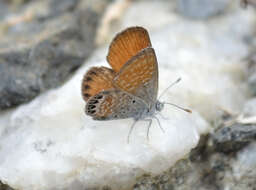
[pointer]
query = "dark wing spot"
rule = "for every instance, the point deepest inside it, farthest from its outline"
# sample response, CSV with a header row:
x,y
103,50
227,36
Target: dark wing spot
x,y
91,107
87,79
87,95
93,101
93,73
99,97
86,87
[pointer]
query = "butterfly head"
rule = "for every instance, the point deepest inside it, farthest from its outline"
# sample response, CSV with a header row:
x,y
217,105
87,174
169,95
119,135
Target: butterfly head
x,y
159,106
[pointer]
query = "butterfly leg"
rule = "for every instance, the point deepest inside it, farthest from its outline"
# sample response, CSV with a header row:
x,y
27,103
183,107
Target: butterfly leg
x,y
149,125
128,137
159,123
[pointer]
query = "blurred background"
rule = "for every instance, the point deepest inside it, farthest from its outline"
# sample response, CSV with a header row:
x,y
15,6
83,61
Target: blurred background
x,y
210,43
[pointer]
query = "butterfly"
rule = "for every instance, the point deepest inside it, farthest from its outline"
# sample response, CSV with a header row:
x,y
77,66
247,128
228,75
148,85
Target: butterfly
x,y
129,88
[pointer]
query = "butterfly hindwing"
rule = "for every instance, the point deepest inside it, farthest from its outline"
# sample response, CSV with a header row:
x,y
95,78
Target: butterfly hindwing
x,y
114,104
126,45
139,76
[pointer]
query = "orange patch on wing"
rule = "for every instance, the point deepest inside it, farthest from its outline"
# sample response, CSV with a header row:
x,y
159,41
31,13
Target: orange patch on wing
x,y
96,80
138,71
106,106
126,45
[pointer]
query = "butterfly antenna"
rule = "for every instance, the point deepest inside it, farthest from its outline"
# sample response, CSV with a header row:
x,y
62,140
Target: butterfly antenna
x,y
175,82
184,109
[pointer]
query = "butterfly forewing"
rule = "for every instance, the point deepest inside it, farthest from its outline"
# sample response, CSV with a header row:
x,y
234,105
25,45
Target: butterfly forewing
x,y
114,104
96,80
139,76
126,45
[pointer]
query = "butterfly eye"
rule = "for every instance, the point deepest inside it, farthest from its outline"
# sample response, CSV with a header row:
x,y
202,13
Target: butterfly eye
x,y
133,101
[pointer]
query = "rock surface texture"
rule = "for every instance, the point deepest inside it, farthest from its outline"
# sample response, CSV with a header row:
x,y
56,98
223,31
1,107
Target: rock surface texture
x,y
41,46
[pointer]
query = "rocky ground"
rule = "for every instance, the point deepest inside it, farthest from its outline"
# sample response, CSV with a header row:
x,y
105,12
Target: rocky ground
x,y
43,45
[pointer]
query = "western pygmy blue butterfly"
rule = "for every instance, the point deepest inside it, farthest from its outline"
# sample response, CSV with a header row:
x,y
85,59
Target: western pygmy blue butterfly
x,y
129,89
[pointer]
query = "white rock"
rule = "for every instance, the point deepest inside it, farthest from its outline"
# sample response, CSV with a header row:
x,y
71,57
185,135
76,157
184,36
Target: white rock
x,y
51,144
